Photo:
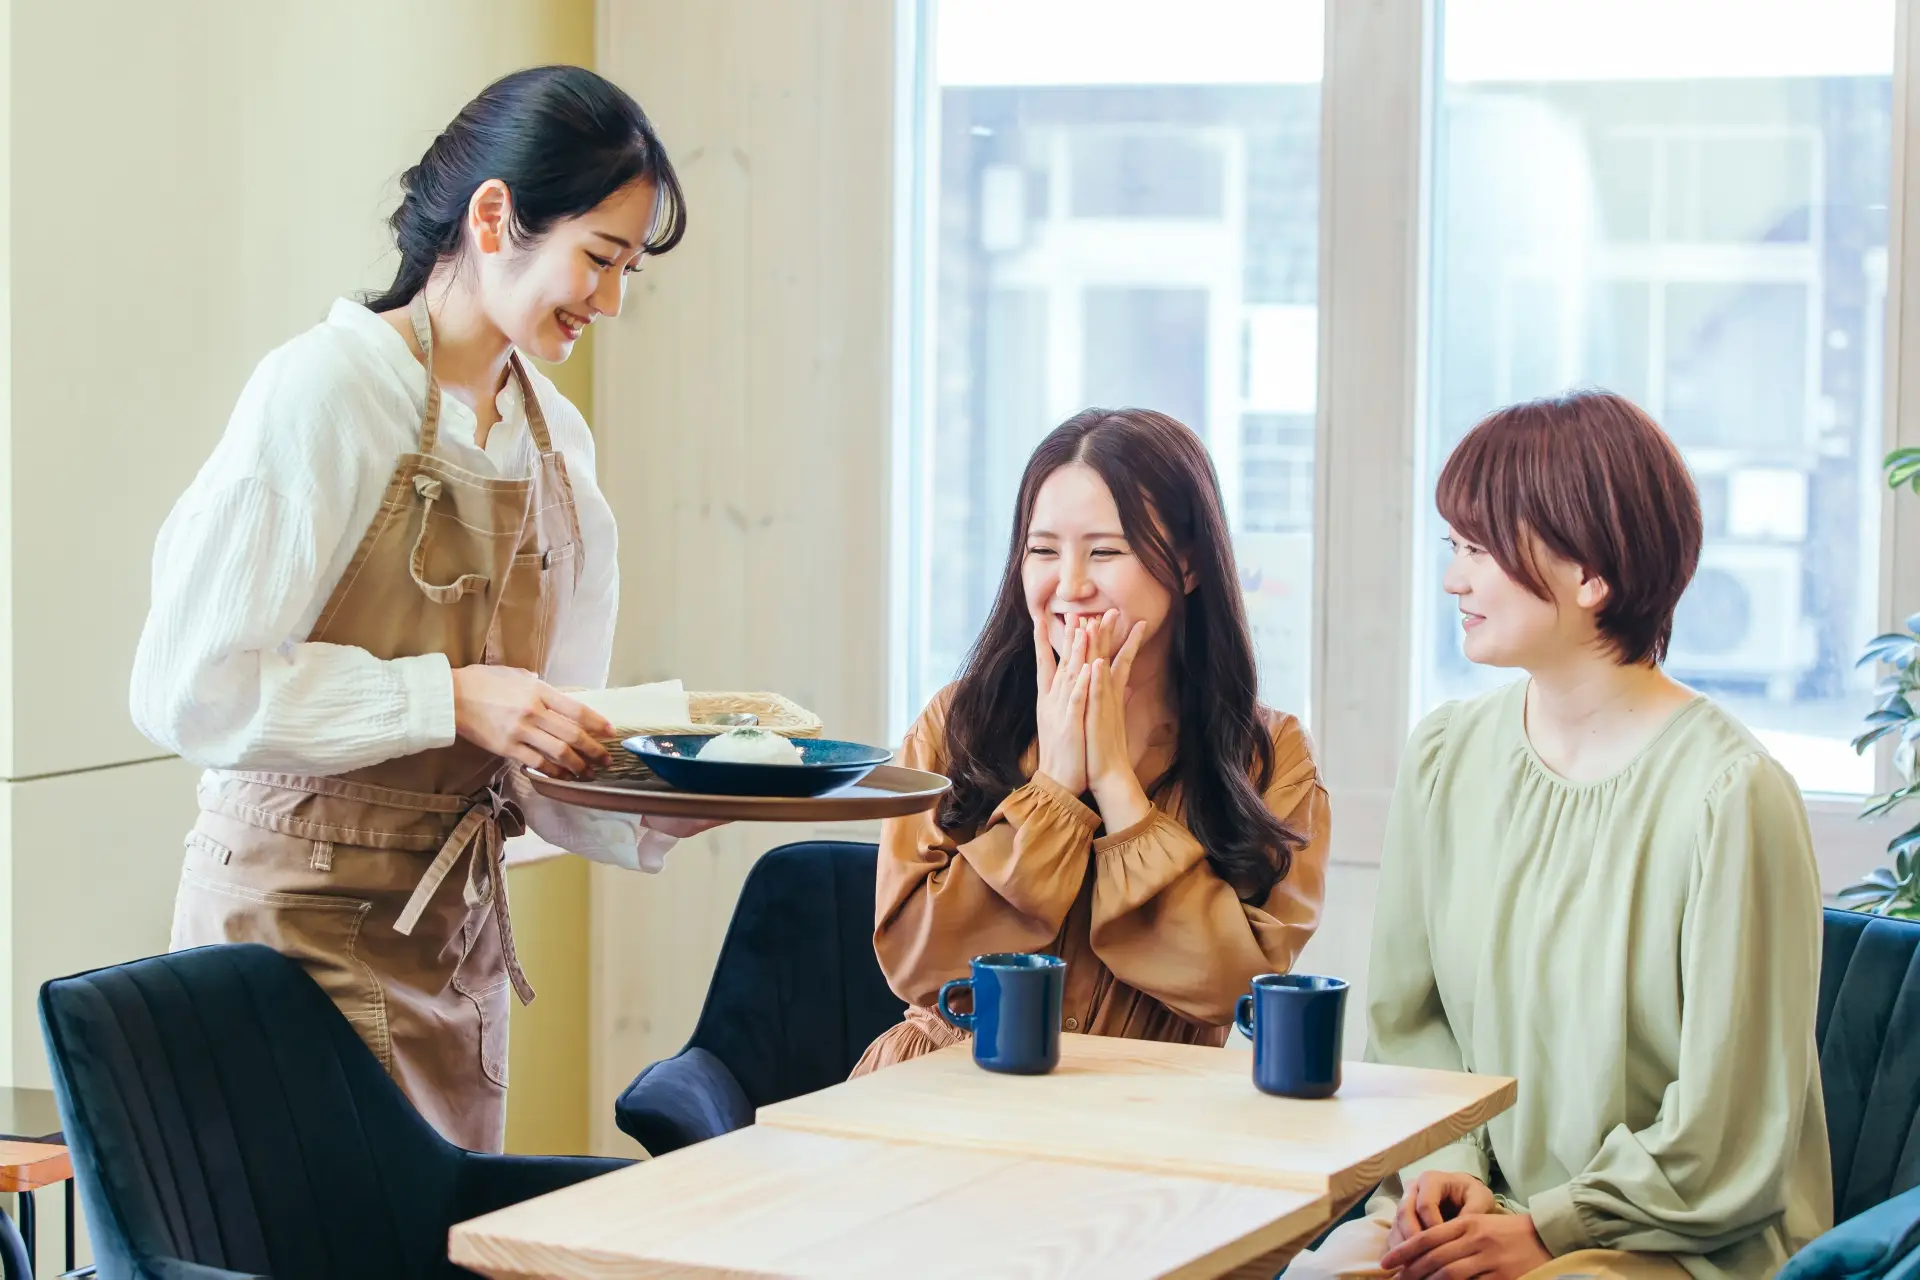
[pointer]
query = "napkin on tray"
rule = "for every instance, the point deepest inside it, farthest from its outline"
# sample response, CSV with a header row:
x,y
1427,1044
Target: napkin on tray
x,y
642,706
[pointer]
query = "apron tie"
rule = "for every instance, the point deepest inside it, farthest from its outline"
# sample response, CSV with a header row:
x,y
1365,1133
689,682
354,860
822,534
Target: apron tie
x,y
485,827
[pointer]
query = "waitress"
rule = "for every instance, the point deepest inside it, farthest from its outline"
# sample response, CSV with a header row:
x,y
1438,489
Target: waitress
x,y
363,603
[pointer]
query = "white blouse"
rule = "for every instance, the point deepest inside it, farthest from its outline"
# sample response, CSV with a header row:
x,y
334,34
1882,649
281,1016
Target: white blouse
x,y
247,559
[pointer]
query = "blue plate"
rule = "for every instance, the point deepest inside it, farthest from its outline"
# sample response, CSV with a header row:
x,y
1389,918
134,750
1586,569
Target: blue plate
x,y
824,766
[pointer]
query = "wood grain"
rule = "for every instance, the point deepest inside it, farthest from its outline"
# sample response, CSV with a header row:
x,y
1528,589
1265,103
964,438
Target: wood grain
x,y
771,1202
1161,1108
28,1166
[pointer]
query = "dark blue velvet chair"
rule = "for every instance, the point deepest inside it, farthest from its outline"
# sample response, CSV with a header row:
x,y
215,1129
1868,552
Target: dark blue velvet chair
x,y
225,1121
796,998
14,1263
1869,1035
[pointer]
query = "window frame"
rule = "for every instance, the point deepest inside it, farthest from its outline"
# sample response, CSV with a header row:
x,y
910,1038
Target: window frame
x,y
1379,86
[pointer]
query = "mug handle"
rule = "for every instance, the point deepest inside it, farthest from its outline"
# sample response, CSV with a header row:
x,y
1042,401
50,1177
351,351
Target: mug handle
x,y
1243,1015
964,1021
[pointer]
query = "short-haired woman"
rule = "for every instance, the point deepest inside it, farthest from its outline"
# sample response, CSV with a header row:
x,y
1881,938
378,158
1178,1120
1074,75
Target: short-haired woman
x,y
1595,881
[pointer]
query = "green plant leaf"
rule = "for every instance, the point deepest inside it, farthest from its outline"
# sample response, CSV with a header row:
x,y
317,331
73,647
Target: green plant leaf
x,y
1881,804
1865,740
1907,840
1888,647
1892,637
1903,866
1903,468
1861,897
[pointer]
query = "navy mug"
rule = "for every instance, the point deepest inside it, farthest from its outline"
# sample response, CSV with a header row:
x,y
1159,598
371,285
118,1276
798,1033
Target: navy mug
x,y
1294,1022
1016,1011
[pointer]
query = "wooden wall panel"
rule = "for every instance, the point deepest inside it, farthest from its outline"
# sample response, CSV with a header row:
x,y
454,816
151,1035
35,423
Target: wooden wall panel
x,y
743,417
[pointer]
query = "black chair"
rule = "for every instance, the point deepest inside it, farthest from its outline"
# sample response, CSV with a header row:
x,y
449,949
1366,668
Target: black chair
x,y
1868,1029
225,1121
14,1261
796,998
1869,1034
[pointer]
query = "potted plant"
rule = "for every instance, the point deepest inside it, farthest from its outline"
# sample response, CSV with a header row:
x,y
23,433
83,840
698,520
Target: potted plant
x,y
1894,890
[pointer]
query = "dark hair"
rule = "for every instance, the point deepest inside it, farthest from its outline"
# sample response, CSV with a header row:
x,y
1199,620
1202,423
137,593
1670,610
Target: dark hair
x,y
1170,511
1597,482
562,139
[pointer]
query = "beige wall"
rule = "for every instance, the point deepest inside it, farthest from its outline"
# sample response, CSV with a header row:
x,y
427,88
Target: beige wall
x,y
743,423
190,184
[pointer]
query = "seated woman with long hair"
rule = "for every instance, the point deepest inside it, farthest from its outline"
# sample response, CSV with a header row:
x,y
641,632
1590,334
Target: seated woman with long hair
x,y
1595,881
1121,799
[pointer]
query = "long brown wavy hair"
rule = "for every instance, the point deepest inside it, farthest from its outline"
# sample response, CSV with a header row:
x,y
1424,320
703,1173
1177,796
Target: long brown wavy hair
x,y
1171,512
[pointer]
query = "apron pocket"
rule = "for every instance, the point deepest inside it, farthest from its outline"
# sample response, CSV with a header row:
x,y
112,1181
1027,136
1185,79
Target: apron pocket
x,y
539,589
321,931
492,1007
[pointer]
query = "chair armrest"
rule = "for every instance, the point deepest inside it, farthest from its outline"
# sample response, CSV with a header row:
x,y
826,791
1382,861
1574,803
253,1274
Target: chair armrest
x,y
1867,1244
682,1100
175,1269
489,1182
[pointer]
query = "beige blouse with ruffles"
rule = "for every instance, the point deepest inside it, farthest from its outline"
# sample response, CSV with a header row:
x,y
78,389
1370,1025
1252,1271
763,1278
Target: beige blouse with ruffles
x,y
1158,947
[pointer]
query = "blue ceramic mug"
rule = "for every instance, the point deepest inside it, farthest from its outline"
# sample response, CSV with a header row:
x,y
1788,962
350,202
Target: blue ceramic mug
x,y
1016,1011
1294,1021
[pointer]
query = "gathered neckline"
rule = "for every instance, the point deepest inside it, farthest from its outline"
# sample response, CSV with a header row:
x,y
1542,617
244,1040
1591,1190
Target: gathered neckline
x,y
1517,721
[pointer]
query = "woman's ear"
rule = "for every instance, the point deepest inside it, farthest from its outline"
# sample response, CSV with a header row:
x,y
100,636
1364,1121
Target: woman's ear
x,y
1593,590
489,212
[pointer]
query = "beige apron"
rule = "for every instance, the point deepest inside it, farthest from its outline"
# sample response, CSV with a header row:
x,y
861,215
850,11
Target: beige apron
x,y
386,883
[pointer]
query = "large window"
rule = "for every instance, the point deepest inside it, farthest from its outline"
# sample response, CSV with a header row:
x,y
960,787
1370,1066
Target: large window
x,y
1118,210
1691,202
1690,208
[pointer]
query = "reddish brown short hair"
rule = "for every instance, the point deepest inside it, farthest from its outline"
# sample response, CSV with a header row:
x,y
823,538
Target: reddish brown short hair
x,y
1597,482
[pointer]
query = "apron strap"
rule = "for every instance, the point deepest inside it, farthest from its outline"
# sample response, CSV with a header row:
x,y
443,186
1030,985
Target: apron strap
x,y
482,828
536,417
423,334
430,425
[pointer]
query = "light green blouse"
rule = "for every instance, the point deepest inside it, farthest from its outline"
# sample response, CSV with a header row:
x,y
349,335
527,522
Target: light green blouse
x,y
1642,953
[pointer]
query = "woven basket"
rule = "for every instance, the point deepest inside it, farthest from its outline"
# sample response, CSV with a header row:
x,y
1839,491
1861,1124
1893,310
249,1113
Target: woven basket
x,y
782,715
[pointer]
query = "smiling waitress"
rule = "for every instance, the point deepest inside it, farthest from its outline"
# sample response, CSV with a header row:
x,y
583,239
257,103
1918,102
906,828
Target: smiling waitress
x,y
363,603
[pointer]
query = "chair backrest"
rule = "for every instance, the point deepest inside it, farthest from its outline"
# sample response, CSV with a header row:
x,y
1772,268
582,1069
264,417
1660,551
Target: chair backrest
x,y
1869,1034
220,1110
797,994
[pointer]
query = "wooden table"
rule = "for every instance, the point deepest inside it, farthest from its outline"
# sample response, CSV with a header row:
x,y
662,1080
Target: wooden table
x,y
1133,1159
1162,1108
770,1202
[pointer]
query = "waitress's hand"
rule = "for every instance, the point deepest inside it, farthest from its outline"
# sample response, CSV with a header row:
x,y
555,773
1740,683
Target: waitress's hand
x,y
515,714
1060,715
678,828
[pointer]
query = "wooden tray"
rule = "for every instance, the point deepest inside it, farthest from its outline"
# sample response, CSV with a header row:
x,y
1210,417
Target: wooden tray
x,y
887,792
